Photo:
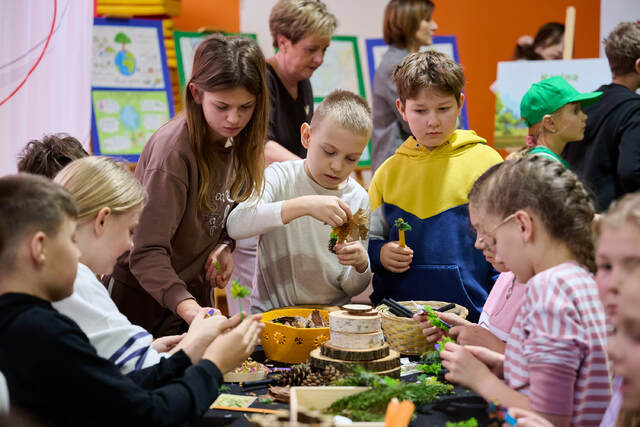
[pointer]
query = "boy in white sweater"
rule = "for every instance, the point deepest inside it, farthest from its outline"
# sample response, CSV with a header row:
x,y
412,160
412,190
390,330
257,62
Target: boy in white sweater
x,y
301,202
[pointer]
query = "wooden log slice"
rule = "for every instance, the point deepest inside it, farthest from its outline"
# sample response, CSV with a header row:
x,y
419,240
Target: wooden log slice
x,y
393,373
339,353
342,321
351,341
392,361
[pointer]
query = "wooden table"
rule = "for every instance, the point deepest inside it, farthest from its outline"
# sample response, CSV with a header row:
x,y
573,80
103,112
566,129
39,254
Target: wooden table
x,y
436,414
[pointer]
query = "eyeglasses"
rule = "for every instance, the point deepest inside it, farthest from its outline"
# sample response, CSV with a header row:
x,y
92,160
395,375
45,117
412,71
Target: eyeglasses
x,y
491,244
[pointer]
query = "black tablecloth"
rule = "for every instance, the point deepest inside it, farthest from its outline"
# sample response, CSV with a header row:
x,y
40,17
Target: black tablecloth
x,y
461,405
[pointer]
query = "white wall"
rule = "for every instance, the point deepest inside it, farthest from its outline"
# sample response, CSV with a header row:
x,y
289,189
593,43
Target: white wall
x,y
361,18
56,97
612,12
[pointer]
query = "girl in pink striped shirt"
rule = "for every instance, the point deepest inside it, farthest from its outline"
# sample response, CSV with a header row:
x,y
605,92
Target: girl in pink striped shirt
x,y
538,218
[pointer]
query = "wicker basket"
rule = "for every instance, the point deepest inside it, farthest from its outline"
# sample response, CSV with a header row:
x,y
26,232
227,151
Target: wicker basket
x,y
287,344
404,334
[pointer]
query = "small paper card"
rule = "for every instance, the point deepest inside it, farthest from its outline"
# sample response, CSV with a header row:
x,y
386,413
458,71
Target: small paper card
x,y
235,400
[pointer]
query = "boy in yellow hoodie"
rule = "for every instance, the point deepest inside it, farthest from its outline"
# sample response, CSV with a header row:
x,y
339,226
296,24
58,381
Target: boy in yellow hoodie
x,y
426,183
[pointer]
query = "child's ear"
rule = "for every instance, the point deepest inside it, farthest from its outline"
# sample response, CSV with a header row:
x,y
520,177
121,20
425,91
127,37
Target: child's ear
x,y
460,103
525,224
305,134
548,123
195,92
37,248
99,222
402,109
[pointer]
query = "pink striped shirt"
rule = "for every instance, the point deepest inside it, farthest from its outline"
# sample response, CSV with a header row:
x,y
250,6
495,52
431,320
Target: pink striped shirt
x,y
502,305
556,351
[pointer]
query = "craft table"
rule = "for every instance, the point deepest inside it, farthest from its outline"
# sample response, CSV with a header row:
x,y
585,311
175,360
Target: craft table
x,y
427,415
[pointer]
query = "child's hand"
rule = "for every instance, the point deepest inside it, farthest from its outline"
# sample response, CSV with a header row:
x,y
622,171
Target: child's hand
x,y
330,210
202,331
231,348
464,368
492,359
526,418
166,344
219,266
352,253
396,258
434,334
471,334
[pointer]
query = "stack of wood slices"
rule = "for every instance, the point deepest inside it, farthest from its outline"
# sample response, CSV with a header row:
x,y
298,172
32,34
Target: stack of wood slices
x,y
356,339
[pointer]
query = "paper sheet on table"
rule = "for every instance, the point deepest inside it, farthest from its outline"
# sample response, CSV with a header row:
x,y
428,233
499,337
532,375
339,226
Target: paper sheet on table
x,y
226,399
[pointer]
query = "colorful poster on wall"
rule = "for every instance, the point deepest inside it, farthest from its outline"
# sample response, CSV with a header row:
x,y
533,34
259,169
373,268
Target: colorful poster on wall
x,y
186,44
376,48
516,77
131,91
127,57
125,120
341,69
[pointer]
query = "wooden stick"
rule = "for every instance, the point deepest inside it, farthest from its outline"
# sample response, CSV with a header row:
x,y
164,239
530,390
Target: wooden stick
x,y
569,32
256,410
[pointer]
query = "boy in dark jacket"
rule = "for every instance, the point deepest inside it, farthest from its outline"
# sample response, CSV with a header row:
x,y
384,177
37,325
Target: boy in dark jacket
x,y
608,158
52,371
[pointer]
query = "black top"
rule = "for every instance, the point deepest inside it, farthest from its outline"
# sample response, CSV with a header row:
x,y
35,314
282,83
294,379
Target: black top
x,y
54,374
286,114
608,158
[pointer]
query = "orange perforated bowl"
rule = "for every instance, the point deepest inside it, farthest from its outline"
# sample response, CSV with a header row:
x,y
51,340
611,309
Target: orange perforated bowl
x,y
287,344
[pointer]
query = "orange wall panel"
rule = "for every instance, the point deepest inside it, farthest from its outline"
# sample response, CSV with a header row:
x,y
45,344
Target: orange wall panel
x,y
487,33
213,14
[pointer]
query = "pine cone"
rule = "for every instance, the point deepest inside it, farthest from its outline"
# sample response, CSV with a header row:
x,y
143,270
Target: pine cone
x,y
313,379
295,376
330,374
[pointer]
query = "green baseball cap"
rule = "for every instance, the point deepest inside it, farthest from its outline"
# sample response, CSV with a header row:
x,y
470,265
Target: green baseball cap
x,y
546,96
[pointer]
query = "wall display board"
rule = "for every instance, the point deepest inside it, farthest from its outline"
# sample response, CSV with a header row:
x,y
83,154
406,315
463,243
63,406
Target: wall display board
x,y
341,69
130,86
376,48
516,77
186,44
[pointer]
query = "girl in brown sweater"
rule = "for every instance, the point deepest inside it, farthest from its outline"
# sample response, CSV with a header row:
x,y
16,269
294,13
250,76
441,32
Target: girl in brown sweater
x,y
193,169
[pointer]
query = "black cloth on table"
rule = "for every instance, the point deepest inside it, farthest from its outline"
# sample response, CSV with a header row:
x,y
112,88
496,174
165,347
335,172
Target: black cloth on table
x,y
608,158
55,375
286,114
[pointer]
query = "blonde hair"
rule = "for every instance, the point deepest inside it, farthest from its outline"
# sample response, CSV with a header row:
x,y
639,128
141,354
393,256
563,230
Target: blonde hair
x,y
222,63
430,69
98,182
553,193
296,19
622,47
402,18
347,110
621,212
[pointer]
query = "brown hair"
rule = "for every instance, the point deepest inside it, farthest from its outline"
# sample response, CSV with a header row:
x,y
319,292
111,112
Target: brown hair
x,y
430,69
622,47
347,110
402,19
49,155
549,34
296,19
222,63
30,203
552,192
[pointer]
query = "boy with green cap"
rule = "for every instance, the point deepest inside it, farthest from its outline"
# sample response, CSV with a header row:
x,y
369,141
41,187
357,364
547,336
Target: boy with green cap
x,y
552,109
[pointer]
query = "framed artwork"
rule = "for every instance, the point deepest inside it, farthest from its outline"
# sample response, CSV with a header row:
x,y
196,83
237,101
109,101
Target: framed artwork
x,y
130,86
341,69
376,48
